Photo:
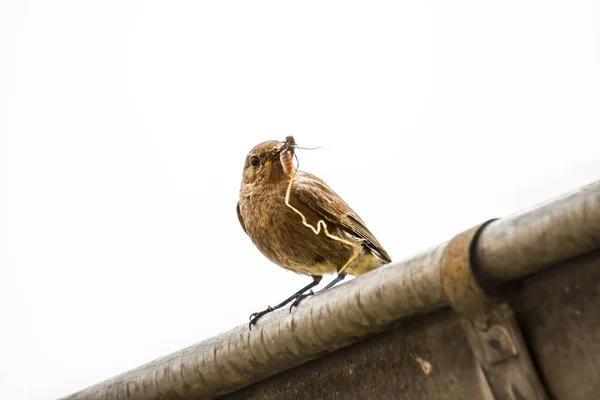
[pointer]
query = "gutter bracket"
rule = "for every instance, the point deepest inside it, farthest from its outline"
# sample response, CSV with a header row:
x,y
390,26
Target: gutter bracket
x,y
504,365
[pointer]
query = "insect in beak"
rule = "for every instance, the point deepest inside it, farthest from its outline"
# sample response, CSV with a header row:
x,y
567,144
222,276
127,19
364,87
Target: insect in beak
x,y
286,155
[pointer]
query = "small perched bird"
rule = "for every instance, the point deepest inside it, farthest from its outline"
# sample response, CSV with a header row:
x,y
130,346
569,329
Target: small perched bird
x,y
300,223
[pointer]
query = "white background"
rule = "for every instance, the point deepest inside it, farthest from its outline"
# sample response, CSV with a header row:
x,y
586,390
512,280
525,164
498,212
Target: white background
x,y
124,127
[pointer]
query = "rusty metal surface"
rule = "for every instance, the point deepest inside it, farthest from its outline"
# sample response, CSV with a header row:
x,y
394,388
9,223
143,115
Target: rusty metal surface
x,y
507,249
459,283
558,310
504,364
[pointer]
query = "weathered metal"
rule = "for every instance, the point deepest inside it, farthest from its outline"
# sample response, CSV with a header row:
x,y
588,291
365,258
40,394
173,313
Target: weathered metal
x,y
503,363
558,312
547,234
459,283
506,250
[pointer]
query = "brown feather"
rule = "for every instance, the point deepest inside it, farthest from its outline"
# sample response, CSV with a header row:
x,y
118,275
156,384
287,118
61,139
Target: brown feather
x,y
315,194
240,218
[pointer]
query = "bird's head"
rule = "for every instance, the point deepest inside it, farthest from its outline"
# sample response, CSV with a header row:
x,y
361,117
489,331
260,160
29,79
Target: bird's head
x,y
264,162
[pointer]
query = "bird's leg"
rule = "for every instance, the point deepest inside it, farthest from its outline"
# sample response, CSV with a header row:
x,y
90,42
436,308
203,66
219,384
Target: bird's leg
x,y
302,296
339,278
255,316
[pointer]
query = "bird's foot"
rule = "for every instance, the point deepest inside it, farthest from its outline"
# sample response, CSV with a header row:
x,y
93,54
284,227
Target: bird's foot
x,y
299,298
255,316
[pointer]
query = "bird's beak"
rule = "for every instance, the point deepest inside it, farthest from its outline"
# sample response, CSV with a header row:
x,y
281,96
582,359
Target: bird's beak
x,y
274,155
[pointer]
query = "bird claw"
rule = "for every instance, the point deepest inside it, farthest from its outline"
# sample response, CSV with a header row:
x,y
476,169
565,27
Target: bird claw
x,y
256,315
299,298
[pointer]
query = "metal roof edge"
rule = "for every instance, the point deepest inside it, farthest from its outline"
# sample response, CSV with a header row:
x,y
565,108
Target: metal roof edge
x,y
506,250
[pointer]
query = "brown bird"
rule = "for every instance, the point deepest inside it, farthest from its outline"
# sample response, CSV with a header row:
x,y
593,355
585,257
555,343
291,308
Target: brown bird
x,y
300,223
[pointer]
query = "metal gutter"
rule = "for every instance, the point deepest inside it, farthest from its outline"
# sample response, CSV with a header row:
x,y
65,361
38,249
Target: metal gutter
x,y
506,249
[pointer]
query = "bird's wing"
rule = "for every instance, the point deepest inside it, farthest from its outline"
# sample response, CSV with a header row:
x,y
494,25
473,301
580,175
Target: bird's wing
x,y
237,208
311,193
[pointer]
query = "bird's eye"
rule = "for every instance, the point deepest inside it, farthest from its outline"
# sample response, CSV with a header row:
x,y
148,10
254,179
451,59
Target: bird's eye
x,y
254,161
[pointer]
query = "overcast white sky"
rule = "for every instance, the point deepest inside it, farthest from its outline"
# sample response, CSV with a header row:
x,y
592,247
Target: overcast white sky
x,y
124,127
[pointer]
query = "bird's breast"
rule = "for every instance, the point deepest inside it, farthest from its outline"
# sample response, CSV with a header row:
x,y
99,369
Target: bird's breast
x,y
278,232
